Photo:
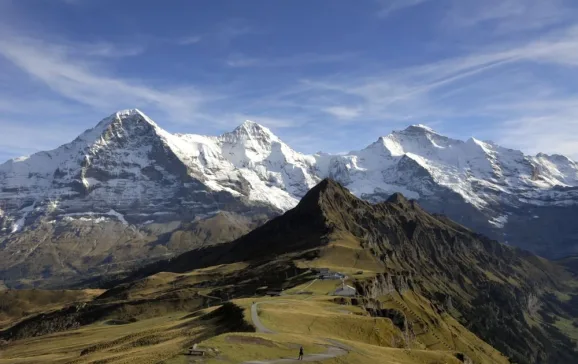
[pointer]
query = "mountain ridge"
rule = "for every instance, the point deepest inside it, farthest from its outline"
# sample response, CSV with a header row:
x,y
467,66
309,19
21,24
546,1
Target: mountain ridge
x,y
129,173
496,291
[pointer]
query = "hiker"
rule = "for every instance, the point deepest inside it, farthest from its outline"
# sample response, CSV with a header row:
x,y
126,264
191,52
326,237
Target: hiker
x,y
300,353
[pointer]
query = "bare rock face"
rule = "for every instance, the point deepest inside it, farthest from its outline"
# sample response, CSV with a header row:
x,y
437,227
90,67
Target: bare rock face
x,y
107,201
491,288
387,283
145,183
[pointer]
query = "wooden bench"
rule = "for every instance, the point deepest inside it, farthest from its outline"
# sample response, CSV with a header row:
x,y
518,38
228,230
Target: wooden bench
x,y
194,351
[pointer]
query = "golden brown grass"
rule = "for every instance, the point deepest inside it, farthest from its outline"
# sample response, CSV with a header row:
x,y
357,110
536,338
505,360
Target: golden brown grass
x,y
146,341
16,305
319,317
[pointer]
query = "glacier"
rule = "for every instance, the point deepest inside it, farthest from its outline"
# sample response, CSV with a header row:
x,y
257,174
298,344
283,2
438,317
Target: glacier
x,y
128,168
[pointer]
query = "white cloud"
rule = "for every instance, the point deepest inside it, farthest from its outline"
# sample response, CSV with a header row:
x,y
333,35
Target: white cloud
x,y
552,133
104,49
240,61
227,31
268,121
387,7
504,81
507,15
192,39
380,92
506,89
533,117
75,76
494,16
21,139
343,112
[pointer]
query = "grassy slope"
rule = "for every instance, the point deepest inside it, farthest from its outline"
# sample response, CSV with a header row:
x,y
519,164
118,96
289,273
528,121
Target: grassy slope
x,y
18,304
323,318
308,320
571,263
163,338
146,340
65,257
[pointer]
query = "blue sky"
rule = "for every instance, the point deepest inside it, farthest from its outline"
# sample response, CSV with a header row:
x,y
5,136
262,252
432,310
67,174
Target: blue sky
x,y
329,75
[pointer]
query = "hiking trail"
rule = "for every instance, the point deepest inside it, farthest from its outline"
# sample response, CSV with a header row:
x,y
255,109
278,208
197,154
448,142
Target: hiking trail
x,y
333,351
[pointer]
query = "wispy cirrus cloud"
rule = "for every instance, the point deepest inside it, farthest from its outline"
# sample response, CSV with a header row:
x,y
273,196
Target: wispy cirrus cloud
x,y
388,7
227,31
507,15
38,122
19,139
103,49
223,33
343,112
506,72
399,84
529,112
189,40
508,87
241,61
69,89
495,16
269,121
73,74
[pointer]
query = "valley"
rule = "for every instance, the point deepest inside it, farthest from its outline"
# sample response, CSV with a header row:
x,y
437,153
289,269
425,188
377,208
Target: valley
x,y
279,182
424,290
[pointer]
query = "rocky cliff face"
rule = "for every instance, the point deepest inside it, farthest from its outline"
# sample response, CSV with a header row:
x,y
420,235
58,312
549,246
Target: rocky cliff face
x,y
506,296
132,176
126,169
108,200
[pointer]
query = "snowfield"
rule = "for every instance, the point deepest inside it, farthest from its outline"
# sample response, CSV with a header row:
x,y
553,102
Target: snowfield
x,y
128,165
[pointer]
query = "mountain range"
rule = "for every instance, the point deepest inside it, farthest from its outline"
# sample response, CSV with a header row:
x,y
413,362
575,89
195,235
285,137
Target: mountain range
x,y
423,284
127,192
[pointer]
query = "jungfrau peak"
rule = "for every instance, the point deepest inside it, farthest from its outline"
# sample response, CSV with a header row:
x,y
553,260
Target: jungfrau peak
x,y
254,163
130,172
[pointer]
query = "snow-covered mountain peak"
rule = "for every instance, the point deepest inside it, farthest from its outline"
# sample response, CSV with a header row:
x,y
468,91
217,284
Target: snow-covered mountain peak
x,y
131,112
250,131
556,157
128,165
131,173
415,139
251,143
254,162
250,124
131,118
124,124
423,135
476,144
420,128
391,144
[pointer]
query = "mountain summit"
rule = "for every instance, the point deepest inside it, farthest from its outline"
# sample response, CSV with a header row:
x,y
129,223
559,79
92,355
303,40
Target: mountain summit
x,y
500,293
129,173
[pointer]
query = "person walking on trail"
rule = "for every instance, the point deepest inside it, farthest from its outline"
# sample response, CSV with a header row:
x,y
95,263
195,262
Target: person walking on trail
x,y
300,353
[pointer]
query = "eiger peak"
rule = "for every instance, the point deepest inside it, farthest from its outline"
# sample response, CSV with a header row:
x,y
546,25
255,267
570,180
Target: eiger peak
x,y
130,172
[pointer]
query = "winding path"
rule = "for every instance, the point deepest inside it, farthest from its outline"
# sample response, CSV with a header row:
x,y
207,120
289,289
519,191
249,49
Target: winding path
x,y
333,351
257,321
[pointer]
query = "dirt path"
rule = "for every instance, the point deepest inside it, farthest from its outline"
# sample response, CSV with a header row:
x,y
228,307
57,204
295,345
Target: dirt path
x,y
257,321
333,351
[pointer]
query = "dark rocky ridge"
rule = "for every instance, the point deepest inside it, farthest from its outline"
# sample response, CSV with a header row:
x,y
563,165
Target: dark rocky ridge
x,y
491,288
